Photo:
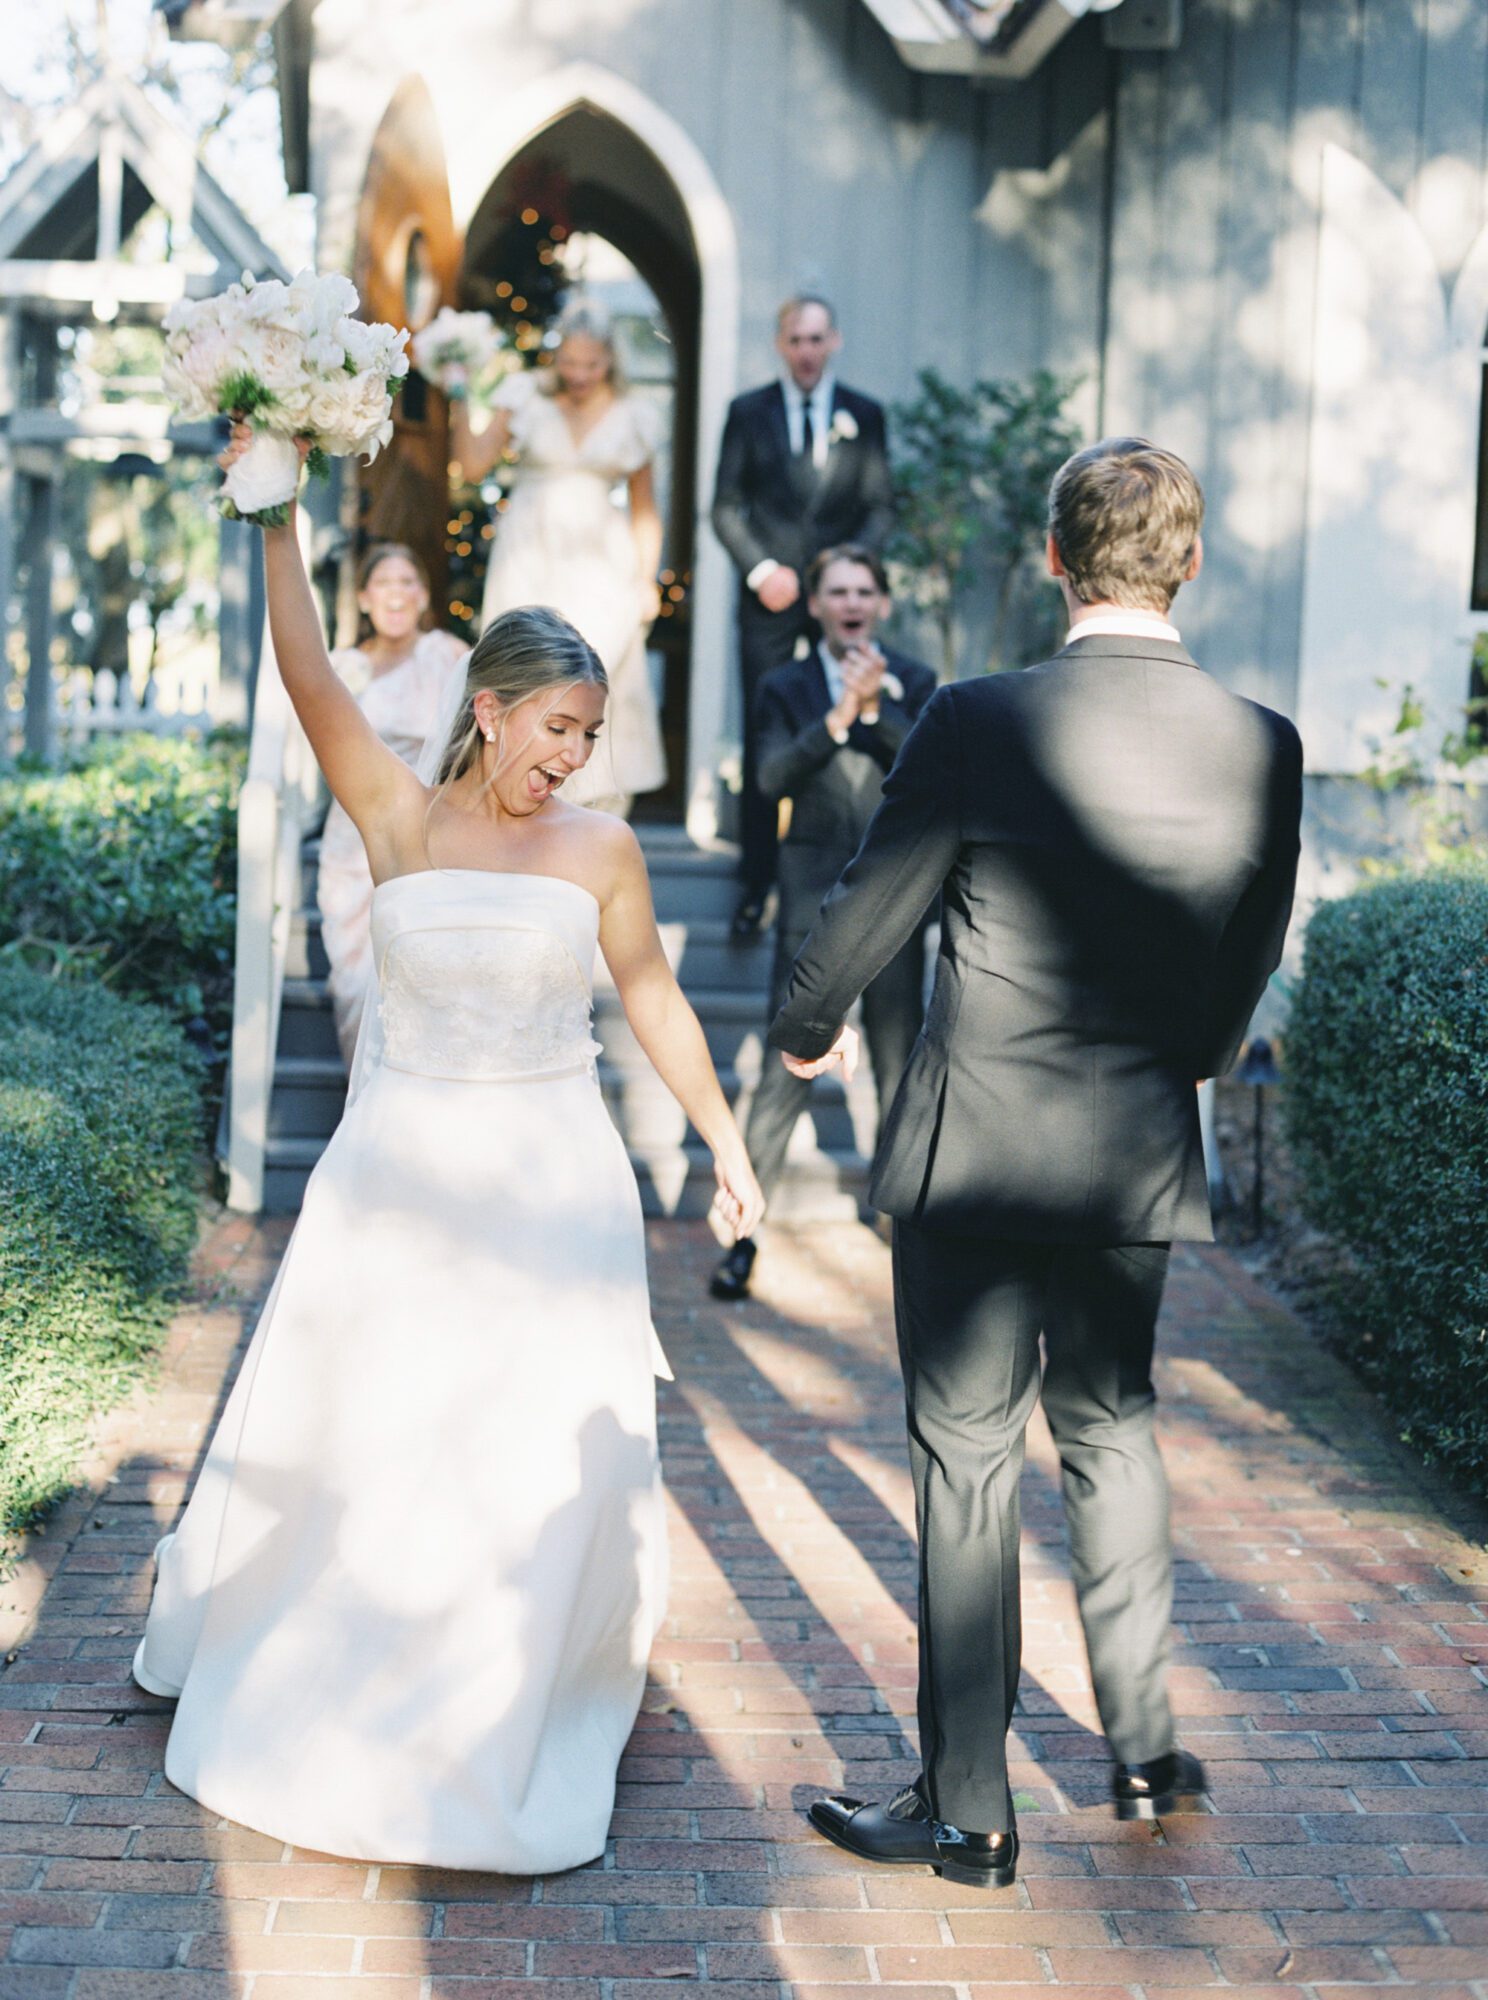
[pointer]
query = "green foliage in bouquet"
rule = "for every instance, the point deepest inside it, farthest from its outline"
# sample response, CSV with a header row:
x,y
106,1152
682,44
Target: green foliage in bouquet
x,y
243,395
100,1173
971,471
1386,1103
123,866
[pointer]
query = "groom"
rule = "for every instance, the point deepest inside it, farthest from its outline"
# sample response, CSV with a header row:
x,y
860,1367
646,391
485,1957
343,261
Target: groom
x,y
1115,838
803,465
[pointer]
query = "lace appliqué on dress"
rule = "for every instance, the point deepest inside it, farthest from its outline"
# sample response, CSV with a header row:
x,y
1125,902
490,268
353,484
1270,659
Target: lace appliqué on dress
x,y
484,1005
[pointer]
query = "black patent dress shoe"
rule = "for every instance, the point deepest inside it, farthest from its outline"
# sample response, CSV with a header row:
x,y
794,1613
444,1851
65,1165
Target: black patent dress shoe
x,y
748,916
731,1278
904,1833
1143,1791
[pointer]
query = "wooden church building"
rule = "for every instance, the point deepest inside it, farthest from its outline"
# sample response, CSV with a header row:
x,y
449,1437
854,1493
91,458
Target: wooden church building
x,y
1252,229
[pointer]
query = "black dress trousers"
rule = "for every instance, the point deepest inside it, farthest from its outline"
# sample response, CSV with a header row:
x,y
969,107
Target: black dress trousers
x,y
970,1312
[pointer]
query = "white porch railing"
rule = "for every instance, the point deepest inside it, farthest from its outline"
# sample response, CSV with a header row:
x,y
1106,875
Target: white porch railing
x,y
105,704
280,792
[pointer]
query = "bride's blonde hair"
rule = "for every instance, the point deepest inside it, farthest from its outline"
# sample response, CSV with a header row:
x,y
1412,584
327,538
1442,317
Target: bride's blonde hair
x,y
520,655
582,318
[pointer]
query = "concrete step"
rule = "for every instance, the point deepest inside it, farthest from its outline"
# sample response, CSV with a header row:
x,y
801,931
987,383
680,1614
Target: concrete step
x,y
648,1116
685,882
733,1024
307,1027
817,1185
306,954
728,985
309,1097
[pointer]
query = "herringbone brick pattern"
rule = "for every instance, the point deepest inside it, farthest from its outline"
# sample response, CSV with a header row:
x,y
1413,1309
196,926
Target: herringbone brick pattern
x,y
1331,1661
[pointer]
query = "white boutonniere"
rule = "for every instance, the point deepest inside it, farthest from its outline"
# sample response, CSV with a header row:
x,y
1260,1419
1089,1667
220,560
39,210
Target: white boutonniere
x,y
844,427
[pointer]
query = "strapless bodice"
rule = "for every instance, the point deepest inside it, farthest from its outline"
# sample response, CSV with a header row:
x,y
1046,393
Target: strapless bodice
x,y
485,977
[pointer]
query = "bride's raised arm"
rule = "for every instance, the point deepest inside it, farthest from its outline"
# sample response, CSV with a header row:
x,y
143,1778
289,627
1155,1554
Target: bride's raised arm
x,y
476,454
372,783
669,1031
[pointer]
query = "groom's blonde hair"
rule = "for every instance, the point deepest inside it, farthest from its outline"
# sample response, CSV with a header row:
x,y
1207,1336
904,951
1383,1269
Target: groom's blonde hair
x,y
1125,517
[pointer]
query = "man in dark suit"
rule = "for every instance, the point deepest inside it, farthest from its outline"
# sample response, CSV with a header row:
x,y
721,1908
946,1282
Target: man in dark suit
x,y
1115,840
828,729
803,465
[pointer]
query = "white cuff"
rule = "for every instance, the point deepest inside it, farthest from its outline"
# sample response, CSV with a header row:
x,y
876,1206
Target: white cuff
x,y
760,571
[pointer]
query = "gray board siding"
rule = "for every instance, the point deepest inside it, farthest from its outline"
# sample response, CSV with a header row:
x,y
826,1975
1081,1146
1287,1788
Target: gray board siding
x,y
1146,222
1213,256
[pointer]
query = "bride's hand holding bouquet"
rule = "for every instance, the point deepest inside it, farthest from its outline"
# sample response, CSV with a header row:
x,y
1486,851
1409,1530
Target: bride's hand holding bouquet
x,y
462,354
292,364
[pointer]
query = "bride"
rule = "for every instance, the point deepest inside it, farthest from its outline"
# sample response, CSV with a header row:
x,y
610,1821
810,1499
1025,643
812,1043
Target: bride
x,y
576,435
408,1608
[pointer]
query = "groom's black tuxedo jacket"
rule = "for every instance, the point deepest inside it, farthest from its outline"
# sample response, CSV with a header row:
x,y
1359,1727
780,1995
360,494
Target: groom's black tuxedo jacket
x,y
769,501
1116,839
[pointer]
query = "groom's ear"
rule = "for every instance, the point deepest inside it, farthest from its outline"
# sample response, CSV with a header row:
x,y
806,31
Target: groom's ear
x,y
1053,558
1195,561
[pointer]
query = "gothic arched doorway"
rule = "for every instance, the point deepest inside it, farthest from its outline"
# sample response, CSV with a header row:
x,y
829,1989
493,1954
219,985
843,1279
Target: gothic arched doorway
x,y
625,235
408,254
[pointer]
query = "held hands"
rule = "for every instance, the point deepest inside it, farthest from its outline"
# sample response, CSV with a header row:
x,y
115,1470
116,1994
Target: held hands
x,y
738,1205
780,589
843,1050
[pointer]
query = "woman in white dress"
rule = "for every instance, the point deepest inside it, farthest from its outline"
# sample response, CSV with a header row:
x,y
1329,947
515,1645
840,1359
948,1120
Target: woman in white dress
x,y
408,1608
403,678
561,540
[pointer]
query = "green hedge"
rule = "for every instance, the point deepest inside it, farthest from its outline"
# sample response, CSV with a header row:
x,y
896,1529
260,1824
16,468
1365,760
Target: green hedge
x,y
1387,1108
100,1173
124,865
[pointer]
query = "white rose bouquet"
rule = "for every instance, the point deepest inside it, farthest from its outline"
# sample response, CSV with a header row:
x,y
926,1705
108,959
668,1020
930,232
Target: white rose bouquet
x,y
458,350
293,362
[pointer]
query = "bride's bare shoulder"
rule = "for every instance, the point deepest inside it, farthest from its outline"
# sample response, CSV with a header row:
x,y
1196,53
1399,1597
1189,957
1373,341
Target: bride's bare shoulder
x,y
612,855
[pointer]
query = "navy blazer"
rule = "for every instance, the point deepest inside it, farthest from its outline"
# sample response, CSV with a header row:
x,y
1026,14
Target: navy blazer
x,y
834,788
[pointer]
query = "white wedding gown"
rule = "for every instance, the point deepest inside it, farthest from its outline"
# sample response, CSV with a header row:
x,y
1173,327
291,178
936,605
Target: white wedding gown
x,y
409,1606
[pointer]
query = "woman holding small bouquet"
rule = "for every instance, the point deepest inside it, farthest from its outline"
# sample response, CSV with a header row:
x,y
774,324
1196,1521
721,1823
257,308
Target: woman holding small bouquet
x,y
407,1610
576,435
403,676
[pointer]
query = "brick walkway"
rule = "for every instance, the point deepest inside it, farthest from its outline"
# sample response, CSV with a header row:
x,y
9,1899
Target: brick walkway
x,y
1331,1667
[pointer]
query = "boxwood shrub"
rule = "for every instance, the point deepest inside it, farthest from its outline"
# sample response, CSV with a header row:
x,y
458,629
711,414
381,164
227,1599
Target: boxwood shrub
x,y
1387,1109
124,864
100,1176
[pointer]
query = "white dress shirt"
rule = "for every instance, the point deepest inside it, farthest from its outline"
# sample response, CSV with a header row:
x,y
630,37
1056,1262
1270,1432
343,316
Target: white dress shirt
x,y
820,401
1124,624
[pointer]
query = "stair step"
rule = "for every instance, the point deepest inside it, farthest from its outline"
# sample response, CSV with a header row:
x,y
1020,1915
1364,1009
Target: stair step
x,y
825,1186
727,981
309,1097
305,957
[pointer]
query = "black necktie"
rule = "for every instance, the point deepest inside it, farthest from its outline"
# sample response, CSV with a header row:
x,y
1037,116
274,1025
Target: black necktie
x,y
808,435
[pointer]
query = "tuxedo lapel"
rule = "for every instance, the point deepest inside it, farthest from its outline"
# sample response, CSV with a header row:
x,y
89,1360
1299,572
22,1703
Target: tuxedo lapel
x,y
838,452
779,422
818,694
